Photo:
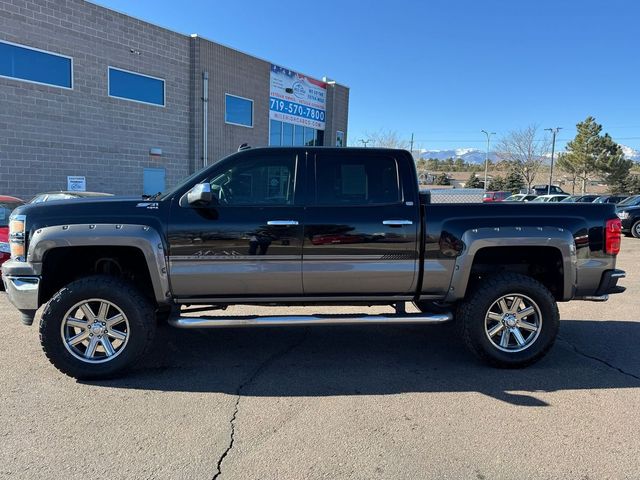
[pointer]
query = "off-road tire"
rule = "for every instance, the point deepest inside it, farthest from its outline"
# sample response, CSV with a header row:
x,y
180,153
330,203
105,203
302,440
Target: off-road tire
x,y
470,319
138,309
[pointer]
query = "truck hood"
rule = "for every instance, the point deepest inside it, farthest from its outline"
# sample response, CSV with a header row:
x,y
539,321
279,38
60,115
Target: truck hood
x,y
118,210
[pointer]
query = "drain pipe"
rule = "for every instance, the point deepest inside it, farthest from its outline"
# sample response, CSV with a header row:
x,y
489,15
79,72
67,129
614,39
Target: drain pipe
x,y
205,118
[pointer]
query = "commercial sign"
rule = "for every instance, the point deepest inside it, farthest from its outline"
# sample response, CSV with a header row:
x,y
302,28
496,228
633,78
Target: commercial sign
x,y
76,184
296,98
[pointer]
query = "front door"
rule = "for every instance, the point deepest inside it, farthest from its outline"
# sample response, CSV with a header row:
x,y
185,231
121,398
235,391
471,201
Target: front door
x,y
249,242
360,231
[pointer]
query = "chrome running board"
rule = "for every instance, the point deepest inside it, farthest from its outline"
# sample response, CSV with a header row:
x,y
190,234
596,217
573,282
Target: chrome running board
x,y
303,320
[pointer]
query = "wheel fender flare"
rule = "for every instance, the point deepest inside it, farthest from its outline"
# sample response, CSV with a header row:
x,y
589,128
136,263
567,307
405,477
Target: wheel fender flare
x,y
478,238
143,237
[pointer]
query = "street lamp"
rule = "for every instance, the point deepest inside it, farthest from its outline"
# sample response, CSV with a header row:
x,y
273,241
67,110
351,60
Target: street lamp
x,y
364,142
486,157
554,131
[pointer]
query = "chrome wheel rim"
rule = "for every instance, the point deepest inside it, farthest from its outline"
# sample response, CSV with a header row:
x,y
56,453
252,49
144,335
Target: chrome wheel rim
x,y
95,331
513,323
636,227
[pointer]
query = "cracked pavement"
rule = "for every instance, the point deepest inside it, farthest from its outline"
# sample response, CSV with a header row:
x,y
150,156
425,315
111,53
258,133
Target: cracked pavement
x,y
398,402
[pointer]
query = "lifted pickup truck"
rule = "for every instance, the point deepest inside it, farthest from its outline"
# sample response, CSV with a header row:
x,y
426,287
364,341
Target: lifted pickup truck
x,y
302,226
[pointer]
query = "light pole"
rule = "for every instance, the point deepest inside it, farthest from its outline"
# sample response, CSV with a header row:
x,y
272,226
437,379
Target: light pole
x,y
364,142
486,157
554,131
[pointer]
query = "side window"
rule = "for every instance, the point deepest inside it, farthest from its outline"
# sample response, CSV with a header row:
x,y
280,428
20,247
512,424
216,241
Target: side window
x,y
268,180
348,180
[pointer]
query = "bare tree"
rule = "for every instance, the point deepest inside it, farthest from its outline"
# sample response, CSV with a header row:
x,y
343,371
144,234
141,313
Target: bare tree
x,y
386,138
524,152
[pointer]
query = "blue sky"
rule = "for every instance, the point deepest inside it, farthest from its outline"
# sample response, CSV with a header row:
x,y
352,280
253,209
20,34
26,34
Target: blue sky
x,y
441,69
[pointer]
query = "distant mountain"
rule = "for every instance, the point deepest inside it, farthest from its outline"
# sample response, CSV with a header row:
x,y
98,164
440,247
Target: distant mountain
x,y
474,155
469,155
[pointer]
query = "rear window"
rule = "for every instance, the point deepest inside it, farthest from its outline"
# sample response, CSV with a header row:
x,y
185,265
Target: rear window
x,y
5,211
488,195
348,180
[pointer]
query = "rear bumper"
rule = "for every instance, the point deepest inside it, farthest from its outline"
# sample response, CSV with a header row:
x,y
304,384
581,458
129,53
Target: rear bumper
x,y
609,283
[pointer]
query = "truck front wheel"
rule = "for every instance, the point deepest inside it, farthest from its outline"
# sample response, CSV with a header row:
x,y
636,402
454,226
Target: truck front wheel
x,y
509,320
96,327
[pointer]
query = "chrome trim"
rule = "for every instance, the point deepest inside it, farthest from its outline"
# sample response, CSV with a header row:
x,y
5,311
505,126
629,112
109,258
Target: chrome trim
x,y
619,275
397,223
303,320
282,222
23,291
222,257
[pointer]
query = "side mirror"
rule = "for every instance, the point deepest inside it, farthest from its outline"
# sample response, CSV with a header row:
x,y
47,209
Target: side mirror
x,y
200,195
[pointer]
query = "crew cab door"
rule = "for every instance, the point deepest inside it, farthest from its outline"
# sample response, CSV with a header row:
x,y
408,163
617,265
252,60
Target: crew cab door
x,y
361,225
248,242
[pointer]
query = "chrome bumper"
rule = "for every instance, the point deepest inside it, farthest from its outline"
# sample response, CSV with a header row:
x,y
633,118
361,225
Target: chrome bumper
x,y
22,291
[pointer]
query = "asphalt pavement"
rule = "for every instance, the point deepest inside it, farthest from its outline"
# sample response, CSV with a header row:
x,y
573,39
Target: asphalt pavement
x,y
398,402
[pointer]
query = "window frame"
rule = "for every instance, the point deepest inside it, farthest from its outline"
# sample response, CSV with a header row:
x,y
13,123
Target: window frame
x,y
241,98
41,51
164,86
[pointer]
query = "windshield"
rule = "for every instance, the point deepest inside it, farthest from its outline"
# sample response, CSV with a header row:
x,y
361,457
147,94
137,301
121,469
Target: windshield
x,y
5,211
632,201
569,199
540,199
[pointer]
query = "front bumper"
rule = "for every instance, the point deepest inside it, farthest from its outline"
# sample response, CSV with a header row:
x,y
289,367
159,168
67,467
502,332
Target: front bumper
x,y
22,284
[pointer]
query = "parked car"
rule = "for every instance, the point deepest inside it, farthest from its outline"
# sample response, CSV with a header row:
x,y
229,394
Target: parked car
x,y
580,198
520,197
66,195
495,196
544,190
7,205
549,199
610,198
629,213
241,232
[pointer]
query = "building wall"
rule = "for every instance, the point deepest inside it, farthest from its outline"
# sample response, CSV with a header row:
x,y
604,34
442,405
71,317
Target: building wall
x,y
49,133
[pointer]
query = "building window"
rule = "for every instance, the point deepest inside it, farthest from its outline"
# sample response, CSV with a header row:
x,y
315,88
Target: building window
x,y
339,138
238,111
36,66
287,134
136,87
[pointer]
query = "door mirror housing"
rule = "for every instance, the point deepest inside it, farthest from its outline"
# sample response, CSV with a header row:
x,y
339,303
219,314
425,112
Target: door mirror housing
x,y
200,195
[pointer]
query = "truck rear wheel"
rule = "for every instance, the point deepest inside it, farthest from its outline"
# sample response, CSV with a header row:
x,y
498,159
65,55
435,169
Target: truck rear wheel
x,y
509,321
96,327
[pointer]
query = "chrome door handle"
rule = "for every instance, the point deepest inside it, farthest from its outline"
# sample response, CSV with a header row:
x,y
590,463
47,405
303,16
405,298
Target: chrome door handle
x,y
397,223
282,222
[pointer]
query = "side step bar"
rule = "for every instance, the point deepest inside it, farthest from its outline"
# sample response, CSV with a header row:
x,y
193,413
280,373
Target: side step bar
x,y
303,320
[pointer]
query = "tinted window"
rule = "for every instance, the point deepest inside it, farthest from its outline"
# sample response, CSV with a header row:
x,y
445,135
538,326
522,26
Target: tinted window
x,y
266,180
354,181
135,86
35,66
309,136
287,134
298,136
238,111
339,139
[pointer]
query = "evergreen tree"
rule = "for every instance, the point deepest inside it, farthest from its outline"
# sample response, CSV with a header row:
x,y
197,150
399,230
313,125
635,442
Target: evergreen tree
x,y
497,184
591,153
473,182
514,182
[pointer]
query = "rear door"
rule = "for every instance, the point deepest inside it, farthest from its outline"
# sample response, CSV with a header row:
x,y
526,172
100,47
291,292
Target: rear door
x,y
361,225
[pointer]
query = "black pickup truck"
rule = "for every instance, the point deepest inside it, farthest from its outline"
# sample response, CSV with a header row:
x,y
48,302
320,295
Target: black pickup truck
x,y
302,226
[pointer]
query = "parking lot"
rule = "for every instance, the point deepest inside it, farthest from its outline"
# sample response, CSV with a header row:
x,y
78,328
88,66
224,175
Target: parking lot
x,y
334,402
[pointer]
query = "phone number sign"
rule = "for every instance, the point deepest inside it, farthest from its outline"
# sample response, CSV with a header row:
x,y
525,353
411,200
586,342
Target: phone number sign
x,y
296,98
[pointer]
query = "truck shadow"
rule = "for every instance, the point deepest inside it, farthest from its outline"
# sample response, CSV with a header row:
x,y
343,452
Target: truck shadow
x,y
327,361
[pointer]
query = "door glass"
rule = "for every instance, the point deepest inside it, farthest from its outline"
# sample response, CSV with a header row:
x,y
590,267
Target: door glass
x,y
351,181
266,180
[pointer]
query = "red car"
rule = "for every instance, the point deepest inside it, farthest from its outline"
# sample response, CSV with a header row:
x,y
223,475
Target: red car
x,y
7,204
495,196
